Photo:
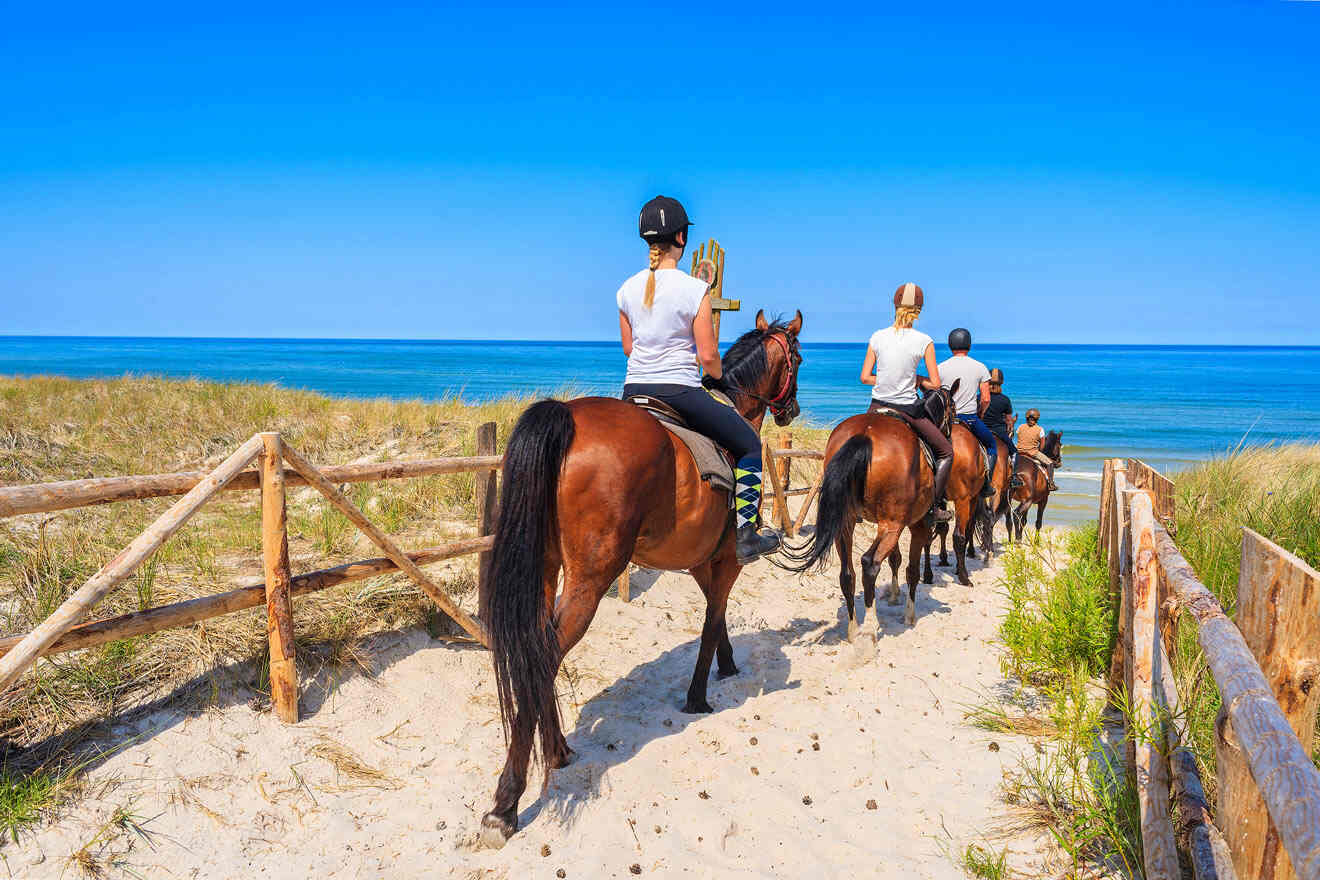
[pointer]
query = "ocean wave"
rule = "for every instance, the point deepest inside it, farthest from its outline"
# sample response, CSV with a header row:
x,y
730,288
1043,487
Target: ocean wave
x,y
1080,475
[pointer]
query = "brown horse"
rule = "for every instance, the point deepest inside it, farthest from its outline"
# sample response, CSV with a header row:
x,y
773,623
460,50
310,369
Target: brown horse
x,y
874,470
983,510
1035,487
587,486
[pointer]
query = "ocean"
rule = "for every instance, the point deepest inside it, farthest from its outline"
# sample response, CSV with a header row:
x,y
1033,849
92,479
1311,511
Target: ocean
x,y
1169,405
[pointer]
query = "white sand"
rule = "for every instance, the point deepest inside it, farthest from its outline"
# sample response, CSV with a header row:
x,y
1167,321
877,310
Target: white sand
x,y
232,792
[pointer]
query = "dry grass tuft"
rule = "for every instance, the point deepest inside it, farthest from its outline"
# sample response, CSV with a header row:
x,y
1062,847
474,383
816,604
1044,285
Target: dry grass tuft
x,y
348,764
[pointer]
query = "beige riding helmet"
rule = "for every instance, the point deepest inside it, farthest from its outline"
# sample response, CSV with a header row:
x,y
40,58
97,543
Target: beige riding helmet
x,y
908,295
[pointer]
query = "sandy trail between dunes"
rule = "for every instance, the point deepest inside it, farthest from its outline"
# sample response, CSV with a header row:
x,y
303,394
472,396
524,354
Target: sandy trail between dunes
x,y
778,782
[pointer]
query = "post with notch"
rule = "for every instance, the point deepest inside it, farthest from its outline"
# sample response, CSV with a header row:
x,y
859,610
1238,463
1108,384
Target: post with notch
x,y
275,559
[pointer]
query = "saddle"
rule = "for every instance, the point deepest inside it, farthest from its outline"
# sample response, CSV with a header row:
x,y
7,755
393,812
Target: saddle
x,y
907,420
713,463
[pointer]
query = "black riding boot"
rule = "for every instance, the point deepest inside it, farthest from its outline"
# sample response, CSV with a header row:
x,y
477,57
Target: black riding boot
x,y
943,467
988,489
1049,479
751,544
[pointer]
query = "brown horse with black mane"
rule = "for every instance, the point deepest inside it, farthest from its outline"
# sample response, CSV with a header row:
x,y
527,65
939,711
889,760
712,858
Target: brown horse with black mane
x,y
588,485
1035,488
874,469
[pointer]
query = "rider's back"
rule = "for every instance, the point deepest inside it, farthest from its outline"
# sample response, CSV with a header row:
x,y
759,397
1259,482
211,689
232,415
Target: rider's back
x,y
898,351
664,350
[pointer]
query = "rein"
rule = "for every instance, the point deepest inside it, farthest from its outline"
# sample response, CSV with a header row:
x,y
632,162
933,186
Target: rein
x,y
778,404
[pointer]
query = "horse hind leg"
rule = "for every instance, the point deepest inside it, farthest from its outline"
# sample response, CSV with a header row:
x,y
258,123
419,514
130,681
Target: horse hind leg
x,y
921,535
718,576
963,515
847,576
943,531
885,546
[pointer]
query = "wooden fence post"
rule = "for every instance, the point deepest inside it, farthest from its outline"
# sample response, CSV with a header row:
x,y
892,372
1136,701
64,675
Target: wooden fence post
x,y
1106,498
486,500
1146,724
779,510
1279,616
275,559
1119,667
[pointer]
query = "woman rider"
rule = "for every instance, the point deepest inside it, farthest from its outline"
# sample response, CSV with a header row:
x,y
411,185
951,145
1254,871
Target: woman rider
x,y
666,328
891,367
1029,437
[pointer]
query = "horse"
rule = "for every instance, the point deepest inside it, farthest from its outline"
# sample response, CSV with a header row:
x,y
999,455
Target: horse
x,y
983,510
588,485
1035,486
874,469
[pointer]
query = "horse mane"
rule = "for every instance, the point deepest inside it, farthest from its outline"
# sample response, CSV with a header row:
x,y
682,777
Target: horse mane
x,y
1052,443
745,363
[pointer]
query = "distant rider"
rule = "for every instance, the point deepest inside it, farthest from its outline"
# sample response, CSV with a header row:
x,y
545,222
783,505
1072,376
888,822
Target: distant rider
x,y
1029,437
973,395
999,416
666,327
890,366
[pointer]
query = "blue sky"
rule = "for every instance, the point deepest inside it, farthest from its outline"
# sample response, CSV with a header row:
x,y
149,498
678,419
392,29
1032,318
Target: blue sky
x,y
1054,173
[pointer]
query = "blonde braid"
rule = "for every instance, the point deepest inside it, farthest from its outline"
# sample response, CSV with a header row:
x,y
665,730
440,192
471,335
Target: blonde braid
x,y
657,254
905,316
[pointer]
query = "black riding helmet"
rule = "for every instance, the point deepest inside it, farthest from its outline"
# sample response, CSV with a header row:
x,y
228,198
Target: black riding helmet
x,y
662,219
960,340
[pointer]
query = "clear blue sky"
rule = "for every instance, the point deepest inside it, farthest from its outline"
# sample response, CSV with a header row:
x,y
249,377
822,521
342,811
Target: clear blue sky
x,y
1058,173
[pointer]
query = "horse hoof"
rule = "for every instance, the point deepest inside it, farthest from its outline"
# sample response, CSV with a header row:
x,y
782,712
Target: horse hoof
x,y
910,616
563,759
697,707
928,578
964,580
496,830
893,600
722,674
852,630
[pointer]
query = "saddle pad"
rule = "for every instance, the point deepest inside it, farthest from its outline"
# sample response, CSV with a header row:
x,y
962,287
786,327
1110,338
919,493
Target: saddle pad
x,y
712,464
903,417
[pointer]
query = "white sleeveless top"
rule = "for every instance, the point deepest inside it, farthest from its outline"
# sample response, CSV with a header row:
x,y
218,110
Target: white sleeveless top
x,y
897,354
664,350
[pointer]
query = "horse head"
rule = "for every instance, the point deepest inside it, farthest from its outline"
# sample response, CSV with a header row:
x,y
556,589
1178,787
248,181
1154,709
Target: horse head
x,y
938,406
761,368
1052,446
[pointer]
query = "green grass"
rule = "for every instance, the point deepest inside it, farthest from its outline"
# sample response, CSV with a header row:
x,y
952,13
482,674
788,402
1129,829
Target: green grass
x,y
981,862
26,796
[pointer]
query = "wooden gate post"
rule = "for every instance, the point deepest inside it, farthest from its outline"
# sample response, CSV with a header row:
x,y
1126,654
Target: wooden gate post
x,y
487,500
1279,616
275,559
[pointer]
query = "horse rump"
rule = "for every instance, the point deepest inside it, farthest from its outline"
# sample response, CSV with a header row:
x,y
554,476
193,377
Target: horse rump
x,y
523,640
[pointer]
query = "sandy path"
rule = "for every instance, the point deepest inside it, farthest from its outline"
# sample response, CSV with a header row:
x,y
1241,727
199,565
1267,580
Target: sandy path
x,y
775,783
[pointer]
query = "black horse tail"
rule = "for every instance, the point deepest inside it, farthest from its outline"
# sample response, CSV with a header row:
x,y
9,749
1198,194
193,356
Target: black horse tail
x,y
518,620
840,499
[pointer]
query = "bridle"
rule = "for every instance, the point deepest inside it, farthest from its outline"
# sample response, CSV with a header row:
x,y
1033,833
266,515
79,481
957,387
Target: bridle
x,y
778,405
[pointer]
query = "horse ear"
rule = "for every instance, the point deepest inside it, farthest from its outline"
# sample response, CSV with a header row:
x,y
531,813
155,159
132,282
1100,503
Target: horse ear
x,y
795,325
761,323
953,389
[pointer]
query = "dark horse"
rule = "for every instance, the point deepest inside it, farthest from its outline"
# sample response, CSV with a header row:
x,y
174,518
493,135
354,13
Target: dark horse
x,y
874,469
983,511
587,486
1035,487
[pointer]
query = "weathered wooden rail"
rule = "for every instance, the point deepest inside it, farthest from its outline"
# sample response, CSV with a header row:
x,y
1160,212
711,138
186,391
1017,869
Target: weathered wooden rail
x,y
1266,666
61,631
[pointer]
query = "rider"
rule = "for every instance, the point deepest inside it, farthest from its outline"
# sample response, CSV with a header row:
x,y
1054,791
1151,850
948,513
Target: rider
x,y
973,395
666,327
999,416
890,366
1029,437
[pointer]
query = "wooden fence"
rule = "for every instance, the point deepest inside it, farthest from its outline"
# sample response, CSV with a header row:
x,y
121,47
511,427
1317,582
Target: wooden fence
x,y
62,632
1266,667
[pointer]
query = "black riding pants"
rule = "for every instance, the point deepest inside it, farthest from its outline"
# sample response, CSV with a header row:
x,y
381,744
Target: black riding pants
x,y
928,430
705,415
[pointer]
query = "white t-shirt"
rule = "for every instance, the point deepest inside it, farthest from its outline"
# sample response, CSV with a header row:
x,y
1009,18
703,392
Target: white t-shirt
x,y
973,373
897,354
664,350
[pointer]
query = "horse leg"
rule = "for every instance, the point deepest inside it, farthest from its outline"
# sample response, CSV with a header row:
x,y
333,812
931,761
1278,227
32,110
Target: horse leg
x,y
943,531
847,576
704,575
962,515
886,544
927,576
895,560
1040,511
723,571
921,535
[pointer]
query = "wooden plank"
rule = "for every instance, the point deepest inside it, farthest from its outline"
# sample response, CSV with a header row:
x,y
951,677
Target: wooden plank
x,y
779,508
1142,476
1106,499
1288,782
383,541
1279,618
625,583
1118,667
45,497
487,500
124,564
814,454
275,563
806,505
98,632
1159,853
1206,848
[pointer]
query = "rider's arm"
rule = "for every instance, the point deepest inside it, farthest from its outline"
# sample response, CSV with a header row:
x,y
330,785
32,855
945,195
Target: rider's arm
x,y
1009,421
625,334
868,367
985,398
703,333
931,381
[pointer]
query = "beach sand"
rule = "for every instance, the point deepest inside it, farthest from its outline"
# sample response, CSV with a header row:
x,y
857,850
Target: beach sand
x,y
823,758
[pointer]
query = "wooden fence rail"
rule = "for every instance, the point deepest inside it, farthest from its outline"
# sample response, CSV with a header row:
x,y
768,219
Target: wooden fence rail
x,y
61,631
1265,666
